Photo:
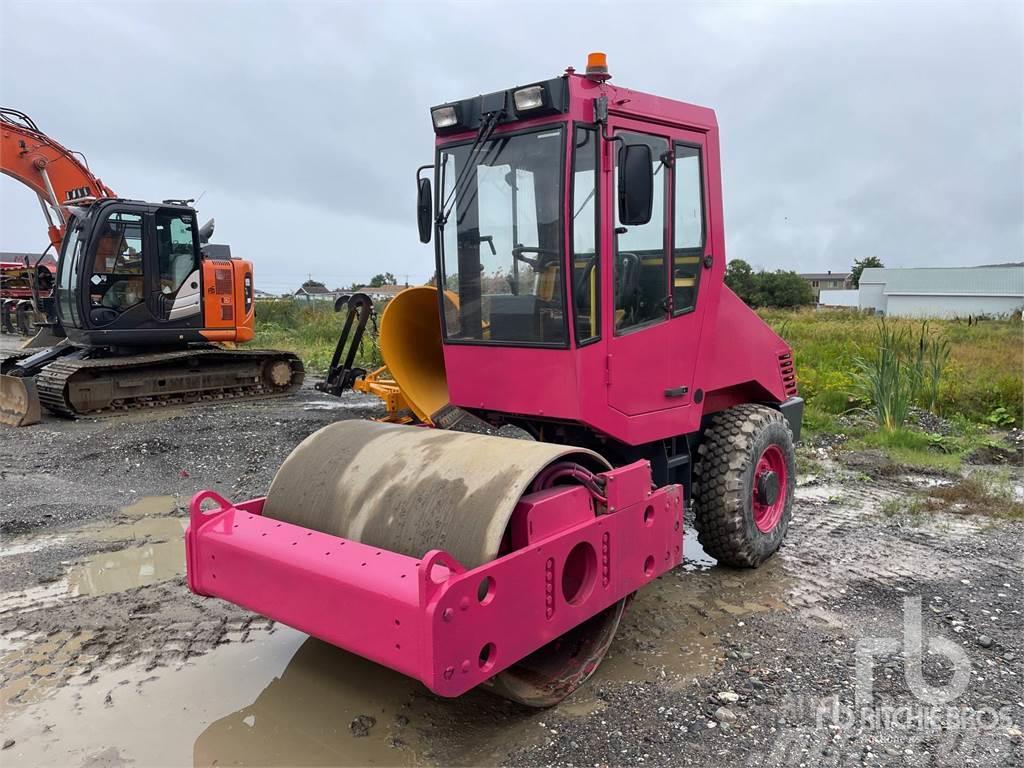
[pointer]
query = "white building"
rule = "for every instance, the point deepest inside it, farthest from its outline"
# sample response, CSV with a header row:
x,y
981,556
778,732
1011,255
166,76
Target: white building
x,y
943,292
841,297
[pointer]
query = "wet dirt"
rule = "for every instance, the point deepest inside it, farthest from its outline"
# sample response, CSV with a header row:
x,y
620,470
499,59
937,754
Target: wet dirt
x,y
106,658
281,698
144,545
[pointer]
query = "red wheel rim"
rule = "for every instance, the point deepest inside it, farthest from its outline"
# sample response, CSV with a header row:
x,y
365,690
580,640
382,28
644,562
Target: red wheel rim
x,y
768,496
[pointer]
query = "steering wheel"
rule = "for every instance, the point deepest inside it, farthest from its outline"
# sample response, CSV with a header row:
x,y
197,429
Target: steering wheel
x,y
544,256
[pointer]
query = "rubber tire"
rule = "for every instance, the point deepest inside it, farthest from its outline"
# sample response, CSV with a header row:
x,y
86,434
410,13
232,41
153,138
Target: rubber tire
x,y
723,482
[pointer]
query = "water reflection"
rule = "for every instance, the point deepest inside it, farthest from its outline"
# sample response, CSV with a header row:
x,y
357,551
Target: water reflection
x,y
329,707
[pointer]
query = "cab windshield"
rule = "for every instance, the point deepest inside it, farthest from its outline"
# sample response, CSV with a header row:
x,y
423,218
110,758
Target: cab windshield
x,y
501,249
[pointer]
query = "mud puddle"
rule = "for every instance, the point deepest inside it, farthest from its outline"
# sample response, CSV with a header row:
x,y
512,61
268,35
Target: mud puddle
x,y
154,551
694,556
135,566
285,699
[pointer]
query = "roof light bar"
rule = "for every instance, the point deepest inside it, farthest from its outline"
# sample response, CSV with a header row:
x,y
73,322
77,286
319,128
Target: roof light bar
x,y
529,98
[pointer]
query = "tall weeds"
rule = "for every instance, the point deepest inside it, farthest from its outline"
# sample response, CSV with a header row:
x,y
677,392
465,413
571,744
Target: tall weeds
x,y
905,369
887,378
978,366
935,352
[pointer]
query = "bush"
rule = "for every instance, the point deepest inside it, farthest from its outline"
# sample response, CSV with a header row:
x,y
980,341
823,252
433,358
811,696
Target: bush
x,y
767,289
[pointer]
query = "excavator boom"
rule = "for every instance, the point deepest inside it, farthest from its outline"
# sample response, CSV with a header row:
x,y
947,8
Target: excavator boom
x,y
57,175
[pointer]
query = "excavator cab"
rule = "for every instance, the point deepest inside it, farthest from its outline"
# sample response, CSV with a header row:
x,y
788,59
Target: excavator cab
x,y
132,274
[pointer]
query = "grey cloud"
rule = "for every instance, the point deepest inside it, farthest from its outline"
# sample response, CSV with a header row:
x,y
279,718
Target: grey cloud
x,y
847,129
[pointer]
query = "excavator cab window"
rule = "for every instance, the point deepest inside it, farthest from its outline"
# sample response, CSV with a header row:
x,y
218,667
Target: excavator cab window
x,y
69,268
177,250
116,283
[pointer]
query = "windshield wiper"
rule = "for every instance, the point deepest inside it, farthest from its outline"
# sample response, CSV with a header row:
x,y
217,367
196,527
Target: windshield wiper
x,y
487,125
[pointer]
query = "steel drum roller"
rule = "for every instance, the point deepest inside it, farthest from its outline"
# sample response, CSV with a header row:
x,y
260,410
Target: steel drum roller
x,y
411,490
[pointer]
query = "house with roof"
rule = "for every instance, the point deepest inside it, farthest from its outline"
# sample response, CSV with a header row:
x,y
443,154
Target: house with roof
x,y
943,291
313,290
826,281
380,292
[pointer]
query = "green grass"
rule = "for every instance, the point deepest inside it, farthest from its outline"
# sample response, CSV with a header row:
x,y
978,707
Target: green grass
x,y
311,330
907,446
980,386
981,375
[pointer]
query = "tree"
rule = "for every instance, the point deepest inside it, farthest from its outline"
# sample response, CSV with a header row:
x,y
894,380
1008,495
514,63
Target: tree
x,y
767,289
741,279
782,289
386,279
859,265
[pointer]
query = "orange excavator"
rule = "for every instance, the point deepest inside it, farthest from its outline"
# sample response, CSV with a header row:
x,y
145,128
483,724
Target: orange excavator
x,y
141,299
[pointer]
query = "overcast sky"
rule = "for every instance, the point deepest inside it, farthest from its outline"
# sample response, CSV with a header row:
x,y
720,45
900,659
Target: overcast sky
x,y
848,130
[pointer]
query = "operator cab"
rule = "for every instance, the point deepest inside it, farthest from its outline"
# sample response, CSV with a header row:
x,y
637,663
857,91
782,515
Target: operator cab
x,y
574,226
129,268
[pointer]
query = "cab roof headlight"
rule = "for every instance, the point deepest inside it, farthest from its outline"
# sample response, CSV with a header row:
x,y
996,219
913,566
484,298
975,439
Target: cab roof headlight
x,y
529,98
444,117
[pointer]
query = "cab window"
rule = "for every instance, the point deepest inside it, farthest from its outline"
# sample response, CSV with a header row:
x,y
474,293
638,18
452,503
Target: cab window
x,y
176,251
501,250
70,268
641,272
688,227
586,269
117,282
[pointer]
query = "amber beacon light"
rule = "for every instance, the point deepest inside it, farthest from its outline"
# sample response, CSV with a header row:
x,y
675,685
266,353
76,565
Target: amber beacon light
x,y
597,67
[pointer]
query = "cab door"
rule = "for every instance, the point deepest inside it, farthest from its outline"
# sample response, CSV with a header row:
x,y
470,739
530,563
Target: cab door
x,y
690,261
639,365
176,290
656,273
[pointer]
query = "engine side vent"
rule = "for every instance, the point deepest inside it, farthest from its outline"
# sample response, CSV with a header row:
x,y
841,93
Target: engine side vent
x,y
222,279
227,312
788,372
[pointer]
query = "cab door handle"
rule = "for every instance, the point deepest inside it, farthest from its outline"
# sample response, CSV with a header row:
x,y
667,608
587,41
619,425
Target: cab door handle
x,y
676,391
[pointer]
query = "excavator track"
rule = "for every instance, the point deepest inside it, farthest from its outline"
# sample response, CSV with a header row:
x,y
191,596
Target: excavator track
x,y
111,385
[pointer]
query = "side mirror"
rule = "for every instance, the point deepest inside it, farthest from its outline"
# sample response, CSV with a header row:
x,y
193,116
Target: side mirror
x,y
636,184
424,209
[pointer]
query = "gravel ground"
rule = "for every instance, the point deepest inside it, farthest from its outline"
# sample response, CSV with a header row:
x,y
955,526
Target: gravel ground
x,y
710,667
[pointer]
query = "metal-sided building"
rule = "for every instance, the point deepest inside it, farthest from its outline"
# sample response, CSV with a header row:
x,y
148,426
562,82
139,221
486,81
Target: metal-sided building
x,y
943,292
